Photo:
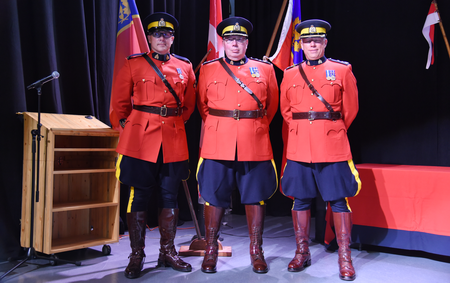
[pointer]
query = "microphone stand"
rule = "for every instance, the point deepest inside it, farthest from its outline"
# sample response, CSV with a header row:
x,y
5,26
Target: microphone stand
x,y
36,135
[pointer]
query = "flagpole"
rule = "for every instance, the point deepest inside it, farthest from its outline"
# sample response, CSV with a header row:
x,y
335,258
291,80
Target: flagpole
x,y
275,30
201,62
442,28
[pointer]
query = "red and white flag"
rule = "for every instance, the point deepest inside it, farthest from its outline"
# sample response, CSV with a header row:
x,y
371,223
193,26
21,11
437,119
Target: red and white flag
x,y
428,32
214,40
289,51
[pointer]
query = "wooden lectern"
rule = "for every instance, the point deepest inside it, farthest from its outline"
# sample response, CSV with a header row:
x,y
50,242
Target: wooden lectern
x,y
78,203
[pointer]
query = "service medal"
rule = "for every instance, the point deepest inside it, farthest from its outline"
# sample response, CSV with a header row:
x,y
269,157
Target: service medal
x,y
180,73
254,71
331,75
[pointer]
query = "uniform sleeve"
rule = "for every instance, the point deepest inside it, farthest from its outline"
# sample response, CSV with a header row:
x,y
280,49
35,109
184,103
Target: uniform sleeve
x,y
189,95
285,103
272,95
202,100
349,97
122,90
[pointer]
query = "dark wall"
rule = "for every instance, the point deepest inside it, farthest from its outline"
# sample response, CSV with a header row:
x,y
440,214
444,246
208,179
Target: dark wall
x,y
403,116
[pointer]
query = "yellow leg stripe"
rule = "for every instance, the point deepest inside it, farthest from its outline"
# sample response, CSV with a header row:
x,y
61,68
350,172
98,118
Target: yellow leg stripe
x,y
275,168
118,167
348,206
276,177
130,200
200,161
356,174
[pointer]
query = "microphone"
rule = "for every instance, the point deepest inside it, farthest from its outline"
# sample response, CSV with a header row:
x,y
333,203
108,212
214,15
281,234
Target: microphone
x,y
40,82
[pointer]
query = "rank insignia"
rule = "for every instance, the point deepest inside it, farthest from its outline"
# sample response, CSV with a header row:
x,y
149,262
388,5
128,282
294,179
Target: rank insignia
x,y
180,73
331,75
255,72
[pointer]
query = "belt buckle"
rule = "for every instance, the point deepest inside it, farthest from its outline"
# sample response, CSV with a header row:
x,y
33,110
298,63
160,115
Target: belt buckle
x,y
236,114
163,111
310,117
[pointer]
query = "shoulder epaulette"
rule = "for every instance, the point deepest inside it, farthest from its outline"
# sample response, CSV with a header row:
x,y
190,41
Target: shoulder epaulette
x,y
210,61
290,67
135,55
181,58
259,60
339,61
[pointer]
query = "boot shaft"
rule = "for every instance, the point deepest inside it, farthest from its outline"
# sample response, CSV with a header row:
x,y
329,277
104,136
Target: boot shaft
x,y
213,219
168,219
343,227
302,225
255,222
137,222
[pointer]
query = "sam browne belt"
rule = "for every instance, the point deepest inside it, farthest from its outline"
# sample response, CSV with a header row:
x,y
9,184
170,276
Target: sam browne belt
x,y
312,115
163,111
238,114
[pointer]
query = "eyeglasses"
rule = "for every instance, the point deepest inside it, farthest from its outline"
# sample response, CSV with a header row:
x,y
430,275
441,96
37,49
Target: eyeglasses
x,y
165,34
239,39
316,40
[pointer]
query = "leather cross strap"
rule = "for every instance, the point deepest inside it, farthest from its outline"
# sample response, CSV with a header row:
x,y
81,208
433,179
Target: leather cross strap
x,y
162,111
240,83
311,87
161,76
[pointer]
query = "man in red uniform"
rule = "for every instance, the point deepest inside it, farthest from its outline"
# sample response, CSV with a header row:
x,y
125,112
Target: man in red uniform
x,y
153,147
236,151
319,106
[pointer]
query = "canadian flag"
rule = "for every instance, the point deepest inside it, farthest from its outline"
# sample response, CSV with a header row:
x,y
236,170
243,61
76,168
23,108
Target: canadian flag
x,y
214,40
428,32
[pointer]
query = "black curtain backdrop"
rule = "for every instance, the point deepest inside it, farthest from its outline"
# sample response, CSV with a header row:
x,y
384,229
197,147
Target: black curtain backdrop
x,y
403,116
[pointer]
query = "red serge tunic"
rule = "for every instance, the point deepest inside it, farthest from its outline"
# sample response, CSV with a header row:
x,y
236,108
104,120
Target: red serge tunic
x,y
223,136
144,133
319,140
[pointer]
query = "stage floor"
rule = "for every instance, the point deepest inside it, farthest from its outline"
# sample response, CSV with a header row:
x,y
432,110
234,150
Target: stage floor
x,y
371,264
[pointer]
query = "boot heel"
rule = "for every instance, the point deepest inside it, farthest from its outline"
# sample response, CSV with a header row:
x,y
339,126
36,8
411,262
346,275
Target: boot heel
x,y
162,263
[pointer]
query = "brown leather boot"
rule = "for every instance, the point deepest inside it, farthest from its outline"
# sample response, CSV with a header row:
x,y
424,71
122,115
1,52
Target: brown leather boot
x,y
137,221
343,227
302,258
213,217
255,221
167,228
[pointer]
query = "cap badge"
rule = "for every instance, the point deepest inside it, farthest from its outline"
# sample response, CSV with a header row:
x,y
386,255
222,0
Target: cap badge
x,y
331,75
161,23
312,29
237,27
